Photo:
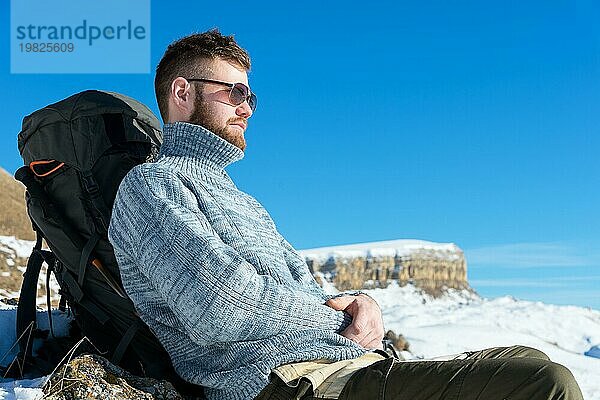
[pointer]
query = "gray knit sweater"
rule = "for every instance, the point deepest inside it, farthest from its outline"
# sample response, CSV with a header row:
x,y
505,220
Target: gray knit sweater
x,y
207,270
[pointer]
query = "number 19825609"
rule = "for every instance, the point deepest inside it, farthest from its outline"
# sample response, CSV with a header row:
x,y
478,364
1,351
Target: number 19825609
x,y
46,47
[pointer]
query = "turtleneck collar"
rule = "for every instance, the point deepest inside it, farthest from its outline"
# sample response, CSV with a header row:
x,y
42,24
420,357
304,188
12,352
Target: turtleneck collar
x,y
184,139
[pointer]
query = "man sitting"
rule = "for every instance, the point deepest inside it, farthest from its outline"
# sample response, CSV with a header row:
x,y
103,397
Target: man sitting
x,y
231,300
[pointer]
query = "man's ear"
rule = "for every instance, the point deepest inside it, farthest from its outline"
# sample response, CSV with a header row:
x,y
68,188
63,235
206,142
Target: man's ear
x,y
181,99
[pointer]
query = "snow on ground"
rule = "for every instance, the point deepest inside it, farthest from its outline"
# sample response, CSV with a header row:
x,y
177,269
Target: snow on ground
x,y
27,389
458,322
17,247
13,248
462,322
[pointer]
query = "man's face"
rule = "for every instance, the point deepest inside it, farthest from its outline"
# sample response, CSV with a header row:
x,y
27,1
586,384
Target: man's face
x,y
214,111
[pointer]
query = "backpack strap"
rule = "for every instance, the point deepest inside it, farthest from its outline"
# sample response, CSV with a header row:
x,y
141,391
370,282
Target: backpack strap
x,y
26,324
26,312
99,210
77,293
48,300
124,342
86,255
62,303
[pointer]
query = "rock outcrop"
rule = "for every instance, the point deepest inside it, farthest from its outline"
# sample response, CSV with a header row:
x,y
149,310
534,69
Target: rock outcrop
x,y
93,377
429,266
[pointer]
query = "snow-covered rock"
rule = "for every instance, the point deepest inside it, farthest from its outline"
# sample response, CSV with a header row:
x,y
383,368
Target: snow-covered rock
x,y
428,265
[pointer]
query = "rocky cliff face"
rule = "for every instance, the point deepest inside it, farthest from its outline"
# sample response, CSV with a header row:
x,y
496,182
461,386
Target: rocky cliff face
x,y
429,266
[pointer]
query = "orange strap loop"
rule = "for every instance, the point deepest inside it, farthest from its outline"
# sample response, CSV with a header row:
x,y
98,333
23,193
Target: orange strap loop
x,y
33,164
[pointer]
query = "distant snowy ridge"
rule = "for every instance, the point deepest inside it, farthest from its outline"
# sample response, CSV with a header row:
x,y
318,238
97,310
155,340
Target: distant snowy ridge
x,y
389,248
433,267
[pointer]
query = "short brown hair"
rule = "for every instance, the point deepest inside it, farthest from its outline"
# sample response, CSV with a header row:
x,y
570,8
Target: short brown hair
x,y
182,58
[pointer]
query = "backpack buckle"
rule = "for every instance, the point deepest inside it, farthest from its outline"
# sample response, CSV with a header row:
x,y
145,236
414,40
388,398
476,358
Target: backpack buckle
x,y
89,183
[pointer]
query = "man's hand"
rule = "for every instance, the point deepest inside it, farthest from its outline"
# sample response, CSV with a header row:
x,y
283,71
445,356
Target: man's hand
x,y
366,328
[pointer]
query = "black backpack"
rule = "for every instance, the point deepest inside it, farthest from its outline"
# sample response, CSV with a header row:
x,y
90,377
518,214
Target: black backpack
x,y
76,152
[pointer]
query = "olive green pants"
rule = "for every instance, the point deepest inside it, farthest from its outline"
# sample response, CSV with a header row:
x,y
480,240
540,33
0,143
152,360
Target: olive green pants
x,y
502,373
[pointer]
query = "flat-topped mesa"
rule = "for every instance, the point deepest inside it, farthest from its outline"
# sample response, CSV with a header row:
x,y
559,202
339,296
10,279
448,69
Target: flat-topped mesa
x,y
430,266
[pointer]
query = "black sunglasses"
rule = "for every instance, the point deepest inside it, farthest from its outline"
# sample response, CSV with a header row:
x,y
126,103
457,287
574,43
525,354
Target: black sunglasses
x,y
238,92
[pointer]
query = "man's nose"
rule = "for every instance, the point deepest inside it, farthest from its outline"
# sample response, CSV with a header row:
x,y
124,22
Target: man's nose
x,y
244,110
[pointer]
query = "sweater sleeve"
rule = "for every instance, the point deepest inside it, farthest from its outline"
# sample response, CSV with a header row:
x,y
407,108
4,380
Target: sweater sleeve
x,y
300,272
216,294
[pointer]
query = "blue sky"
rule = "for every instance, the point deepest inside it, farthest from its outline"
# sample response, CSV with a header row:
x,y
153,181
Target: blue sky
x,y
471,122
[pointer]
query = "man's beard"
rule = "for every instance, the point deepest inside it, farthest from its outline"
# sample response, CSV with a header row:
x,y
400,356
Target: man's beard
x,y
200,116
